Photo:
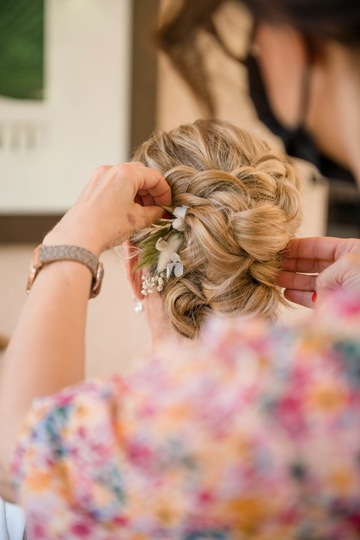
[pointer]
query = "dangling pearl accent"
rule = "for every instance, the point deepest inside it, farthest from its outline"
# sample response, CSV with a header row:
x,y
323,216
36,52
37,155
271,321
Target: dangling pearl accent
x,y
139,306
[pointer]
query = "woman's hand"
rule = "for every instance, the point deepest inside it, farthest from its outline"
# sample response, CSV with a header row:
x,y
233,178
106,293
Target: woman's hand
x,y
118,201
331,262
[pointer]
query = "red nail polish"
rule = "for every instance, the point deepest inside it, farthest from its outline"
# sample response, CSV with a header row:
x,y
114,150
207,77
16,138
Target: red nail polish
x,y
314,296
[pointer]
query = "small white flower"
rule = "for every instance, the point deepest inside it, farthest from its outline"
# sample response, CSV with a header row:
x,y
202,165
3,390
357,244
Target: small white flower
x,y
149,284
179,223
180,211
161,244
178,269
175,266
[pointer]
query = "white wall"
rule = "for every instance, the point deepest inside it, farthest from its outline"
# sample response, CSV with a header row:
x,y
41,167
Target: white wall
x,y
48,150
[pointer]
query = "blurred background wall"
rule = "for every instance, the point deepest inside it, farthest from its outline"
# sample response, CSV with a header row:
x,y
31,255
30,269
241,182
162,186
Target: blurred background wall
x,y
105,90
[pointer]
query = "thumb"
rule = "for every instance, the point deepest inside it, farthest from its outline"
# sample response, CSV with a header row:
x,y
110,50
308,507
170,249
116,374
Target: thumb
x,y
141,217
151,214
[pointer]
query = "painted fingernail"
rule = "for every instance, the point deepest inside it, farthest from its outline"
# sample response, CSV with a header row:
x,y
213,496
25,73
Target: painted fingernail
x,y
314,296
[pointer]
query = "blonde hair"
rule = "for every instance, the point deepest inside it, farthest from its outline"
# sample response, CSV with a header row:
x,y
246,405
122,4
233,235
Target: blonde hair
x,y
244,207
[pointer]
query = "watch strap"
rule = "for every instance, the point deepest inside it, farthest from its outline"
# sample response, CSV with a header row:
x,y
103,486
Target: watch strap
x,y
48,254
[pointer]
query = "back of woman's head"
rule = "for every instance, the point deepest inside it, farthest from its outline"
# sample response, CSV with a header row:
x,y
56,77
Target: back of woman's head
x,y
243,207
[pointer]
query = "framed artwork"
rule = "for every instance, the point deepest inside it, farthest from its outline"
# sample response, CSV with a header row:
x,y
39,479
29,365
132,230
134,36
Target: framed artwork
x,y
22,49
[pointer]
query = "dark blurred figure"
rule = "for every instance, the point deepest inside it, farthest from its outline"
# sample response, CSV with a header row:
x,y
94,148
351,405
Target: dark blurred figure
x,y
303,61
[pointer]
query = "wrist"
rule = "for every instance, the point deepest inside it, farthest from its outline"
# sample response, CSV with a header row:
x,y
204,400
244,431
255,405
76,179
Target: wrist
x,y
57,237
45,254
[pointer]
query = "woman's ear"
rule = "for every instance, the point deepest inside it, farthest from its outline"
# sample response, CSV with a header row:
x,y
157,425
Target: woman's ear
x,y
134,275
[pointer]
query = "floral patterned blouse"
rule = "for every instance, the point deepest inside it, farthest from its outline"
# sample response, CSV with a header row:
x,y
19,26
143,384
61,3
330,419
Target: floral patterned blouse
x,y
253,434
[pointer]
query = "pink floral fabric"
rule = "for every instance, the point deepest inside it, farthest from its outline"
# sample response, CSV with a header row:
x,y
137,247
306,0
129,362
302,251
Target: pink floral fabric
x,y
253,434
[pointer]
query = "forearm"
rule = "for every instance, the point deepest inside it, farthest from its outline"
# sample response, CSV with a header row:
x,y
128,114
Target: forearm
x,y
47,350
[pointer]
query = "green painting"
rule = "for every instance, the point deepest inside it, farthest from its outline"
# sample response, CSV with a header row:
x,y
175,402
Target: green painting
x,y
22,49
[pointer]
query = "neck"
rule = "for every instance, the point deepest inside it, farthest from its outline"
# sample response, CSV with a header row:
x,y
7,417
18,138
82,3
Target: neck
x,y
171,339
162,332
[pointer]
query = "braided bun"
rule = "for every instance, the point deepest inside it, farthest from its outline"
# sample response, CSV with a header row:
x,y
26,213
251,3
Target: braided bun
x,y
244,207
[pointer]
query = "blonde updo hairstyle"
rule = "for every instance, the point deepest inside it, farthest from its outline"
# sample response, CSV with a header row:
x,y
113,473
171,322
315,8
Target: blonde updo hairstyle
x,y
243,203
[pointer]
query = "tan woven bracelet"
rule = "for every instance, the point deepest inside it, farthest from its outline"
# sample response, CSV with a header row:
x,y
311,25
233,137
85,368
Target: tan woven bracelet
x,y
49,254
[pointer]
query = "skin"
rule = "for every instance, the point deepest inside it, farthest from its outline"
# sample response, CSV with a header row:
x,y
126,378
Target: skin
x,y
331,263
47,350
333,119
282,58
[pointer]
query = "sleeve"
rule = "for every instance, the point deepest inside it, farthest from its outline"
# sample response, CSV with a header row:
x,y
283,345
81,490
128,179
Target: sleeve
x,y
66,464
254,435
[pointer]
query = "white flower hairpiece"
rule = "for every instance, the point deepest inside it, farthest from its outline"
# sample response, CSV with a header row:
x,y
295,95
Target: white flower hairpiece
x,y
169,262
166,248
